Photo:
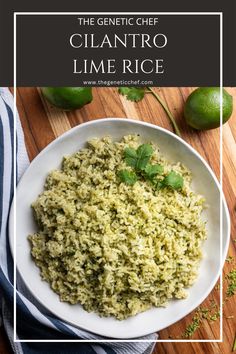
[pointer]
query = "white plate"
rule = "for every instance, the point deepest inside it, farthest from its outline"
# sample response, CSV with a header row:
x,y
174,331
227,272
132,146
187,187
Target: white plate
x,y
204,182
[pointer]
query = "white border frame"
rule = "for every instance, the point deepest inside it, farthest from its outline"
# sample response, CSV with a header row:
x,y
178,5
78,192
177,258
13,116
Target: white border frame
x,y
15,338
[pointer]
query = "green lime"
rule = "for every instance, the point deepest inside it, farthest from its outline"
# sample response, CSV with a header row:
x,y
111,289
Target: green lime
x,y
202,108
68,98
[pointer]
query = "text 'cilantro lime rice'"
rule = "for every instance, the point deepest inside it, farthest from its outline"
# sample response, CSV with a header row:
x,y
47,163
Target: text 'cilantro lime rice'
x,y
118,248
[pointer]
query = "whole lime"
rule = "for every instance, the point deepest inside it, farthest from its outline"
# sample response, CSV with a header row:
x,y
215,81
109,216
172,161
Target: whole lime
x,y
68,98
202,108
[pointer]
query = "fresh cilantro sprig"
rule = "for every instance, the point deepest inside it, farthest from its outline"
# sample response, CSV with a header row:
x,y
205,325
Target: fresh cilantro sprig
x,y
136,94
128,177
152,170
142,168
139,158
173,180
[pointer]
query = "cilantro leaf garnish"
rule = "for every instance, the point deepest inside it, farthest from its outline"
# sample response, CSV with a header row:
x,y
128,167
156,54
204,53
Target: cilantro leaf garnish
x,y
152,170
127,177
139,158
134,94
173,180
130,157
144,152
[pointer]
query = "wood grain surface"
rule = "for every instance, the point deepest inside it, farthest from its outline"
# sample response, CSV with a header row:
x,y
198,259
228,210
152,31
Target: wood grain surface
x,y
42,123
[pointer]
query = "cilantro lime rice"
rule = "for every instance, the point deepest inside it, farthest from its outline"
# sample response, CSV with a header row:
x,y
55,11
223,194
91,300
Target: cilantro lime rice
x,y
116,249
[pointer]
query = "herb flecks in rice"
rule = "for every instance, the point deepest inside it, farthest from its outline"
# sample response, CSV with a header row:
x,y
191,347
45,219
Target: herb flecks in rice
x,y
115,248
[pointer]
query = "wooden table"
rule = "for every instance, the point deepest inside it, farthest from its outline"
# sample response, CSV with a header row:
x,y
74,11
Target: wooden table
x,y
42,123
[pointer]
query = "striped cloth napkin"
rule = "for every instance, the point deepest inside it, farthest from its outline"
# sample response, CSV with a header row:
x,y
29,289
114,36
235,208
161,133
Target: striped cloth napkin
x,y
33,320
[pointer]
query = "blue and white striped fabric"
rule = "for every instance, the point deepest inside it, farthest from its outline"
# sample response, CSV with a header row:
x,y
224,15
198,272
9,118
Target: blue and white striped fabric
x,y
34,321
